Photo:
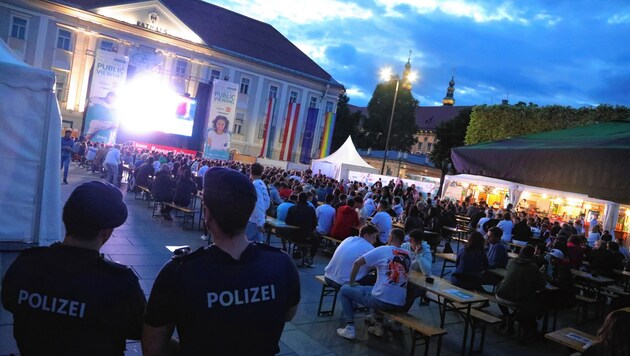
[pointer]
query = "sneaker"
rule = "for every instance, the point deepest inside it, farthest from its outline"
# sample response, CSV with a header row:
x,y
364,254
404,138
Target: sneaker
x,y
308,260
65,181
376,330
205,237
348,332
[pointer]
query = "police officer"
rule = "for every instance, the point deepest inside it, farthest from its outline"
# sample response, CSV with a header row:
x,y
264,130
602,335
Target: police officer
x,y
232,297
65,298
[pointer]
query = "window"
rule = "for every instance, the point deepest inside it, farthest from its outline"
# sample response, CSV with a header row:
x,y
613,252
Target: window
x,y
293,97
244,86
108,46
238,123
273,91
18,27
329,106
214,74
313,102
180,67
61,85
64,39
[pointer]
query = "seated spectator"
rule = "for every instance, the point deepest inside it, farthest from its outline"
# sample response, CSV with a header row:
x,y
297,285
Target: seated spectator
x,y
506,225
303,215
420,252
575,252
382,221
539,255
283,209
612,338
606,236
413,220
545,233
342,201
185,188
616,257
559,275
325,216
162,189
397,207
521,231
518,290
337,272
497,251
392,265
345,219
594,235
601,261
471,263
144,172
482,221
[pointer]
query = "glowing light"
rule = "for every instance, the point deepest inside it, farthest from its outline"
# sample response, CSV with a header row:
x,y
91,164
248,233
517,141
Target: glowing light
x,y
465,185
545,196
558,201
627,212
412,77
386,74
587,206
574,202
525,195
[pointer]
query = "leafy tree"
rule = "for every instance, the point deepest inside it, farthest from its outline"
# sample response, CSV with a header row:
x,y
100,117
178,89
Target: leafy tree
x,y
497,122
346,123
376,124
450,134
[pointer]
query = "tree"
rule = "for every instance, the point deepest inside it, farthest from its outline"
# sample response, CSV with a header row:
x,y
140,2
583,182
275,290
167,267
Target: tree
x,y
450,134
376,124
346,123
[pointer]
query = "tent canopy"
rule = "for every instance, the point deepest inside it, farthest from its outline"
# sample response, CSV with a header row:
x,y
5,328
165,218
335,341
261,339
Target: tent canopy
x,y
31,144
338,163
588,160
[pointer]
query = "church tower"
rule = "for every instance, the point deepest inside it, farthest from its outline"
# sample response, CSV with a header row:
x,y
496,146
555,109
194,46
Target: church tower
x,y
406,83
449,100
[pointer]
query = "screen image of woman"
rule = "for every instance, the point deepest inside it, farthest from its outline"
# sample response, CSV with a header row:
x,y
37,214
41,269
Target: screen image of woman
x,y
218,142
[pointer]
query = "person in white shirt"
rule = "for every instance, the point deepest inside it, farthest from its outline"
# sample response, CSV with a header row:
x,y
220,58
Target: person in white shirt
x,y
113,158
325,216
256,224
392,265
506,225
420,252
489,215
337,272
383,221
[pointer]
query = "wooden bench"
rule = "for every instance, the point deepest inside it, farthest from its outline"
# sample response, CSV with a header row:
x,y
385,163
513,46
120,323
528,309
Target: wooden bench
x,y
582,304
419,330
327,291
189,214
479,320
145,192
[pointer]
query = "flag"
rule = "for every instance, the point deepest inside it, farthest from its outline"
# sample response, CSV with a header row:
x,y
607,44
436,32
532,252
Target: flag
x,y
307,139
268,130
290,127
329,124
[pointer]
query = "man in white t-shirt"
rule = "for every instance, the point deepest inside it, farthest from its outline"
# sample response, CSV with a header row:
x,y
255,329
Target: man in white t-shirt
x,y
489,215
337,273
112,160
392,265
383,221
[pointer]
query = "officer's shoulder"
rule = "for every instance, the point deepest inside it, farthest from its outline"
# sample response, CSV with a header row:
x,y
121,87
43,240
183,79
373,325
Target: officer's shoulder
x,y
114,266
184,255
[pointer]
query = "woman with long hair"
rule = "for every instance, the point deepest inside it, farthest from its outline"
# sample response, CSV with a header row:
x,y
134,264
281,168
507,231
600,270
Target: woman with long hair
x,y
612,338
471,263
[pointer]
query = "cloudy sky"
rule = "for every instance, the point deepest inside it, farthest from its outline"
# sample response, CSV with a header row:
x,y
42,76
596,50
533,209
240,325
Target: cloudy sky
x,y
567,52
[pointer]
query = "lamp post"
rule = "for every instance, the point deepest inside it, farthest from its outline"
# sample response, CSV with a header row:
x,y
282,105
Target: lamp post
x,y
386,74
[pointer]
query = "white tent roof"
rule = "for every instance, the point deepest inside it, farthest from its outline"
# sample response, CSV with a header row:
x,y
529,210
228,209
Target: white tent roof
x,y
346,154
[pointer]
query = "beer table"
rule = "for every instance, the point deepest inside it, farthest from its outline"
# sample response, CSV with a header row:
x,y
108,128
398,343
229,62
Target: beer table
x,y
573,339
274,224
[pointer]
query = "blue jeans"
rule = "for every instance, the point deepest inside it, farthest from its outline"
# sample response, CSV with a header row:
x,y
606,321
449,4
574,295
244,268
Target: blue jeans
x,y
65,162
253,232
112,173
361,295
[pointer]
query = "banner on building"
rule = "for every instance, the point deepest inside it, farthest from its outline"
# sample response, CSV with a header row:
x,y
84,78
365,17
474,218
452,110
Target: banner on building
x,y
108,77
309,132
222,112
290,131
267,147
329,125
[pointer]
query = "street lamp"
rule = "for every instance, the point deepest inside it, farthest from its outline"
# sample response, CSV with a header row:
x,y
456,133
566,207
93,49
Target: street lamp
x,y
386,74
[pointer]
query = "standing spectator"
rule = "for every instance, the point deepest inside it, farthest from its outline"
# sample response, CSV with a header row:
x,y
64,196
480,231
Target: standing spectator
x,y
255,227
112,160
67,144
392,265
231,298
78,302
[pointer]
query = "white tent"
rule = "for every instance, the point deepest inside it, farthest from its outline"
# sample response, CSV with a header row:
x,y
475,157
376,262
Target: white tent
x,y
345,159
30,212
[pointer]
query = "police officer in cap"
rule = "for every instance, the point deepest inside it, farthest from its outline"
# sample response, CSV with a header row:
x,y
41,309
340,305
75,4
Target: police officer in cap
x,y
232,297
65,298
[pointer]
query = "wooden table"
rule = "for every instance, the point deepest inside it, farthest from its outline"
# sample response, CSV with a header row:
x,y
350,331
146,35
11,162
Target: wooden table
x,y
455,230
574,339
512,255
447,258
625,275
598,280
447,295
273,224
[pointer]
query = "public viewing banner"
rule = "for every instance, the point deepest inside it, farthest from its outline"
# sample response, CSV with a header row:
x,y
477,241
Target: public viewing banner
x,y
109,74
370,179
309,132
163,148
222,112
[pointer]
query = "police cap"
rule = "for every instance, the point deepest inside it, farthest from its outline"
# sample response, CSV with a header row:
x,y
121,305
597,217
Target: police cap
x,y
95,206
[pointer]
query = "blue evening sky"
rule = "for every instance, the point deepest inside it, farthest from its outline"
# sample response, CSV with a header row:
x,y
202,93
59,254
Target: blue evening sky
x,y
566,52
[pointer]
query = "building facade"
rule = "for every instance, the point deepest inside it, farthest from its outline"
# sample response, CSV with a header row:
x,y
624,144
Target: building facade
x,y
183,43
